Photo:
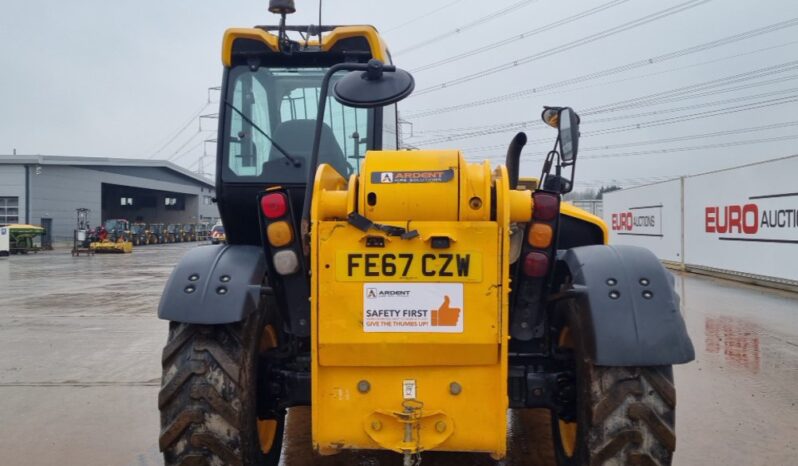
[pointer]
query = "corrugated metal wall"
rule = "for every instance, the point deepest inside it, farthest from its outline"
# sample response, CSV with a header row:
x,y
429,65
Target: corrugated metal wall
x,y
12,184
57,190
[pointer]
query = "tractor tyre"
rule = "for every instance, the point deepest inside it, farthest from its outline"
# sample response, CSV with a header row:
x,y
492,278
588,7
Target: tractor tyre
x,y
623,415
209,396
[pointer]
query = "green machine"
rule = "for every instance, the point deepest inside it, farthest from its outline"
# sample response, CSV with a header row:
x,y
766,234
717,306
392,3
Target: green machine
x,y
22,238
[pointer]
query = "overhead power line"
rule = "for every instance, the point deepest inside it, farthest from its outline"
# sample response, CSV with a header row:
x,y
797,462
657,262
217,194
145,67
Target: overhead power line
x,y
692,148
667,12
179,150
709,113
691,137
477,22
681,93
441,132
177,133
517,37
683,118
793,91
422,16
671,150
618,69
664,96
585,134
599,182
692,116
538,125
187,152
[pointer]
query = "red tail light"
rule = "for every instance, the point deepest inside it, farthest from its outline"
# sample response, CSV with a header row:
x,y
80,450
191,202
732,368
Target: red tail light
x,y
536,264
547,206
274,205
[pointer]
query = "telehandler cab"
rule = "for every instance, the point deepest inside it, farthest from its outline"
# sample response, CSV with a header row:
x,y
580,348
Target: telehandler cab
x,y
409,297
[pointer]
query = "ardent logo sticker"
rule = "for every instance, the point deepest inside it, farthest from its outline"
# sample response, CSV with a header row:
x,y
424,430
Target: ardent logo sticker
x,y
424,176
413,307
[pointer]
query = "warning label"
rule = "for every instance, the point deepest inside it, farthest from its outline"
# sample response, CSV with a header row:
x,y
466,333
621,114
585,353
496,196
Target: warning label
x,y
426,176
413,307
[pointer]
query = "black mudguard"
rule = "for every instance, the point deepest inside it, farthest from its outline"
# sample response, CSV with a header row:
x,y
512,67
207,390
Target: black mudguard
x,y
628,305
214,285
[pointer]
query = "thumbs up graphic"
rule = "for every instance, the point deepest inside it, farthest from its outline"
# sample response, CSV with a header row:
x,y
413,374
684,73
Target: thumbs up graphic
x,y
445,316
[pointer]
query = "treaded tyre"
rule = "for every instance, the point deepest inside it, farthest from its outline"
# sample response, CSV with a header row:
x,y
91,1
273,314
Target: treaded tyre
x,y
208,398
623,416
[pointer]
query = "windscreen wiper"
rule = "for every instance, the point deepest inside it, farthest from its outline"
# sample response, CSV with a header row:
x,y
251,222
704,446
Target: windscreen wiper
x,y
276,146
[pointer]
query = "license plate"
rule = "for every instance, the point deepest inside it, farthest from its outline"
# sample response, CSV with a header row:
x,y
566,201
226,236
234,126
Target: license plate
x,y
426,266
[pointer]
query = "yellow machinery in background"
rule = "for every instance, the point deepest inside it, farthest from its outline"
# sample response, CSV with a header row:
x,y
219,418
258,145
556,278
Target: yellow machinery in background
x,y
113,237
111,247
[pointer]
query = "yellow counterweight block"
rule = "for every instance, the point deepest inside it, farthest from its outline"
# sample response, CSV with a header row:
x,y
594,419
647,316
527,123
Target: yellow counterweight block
x,y
409,318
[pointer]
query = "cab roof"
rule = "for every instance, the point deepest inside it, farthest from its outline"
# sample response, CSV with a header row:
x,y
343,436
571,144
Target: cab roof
x,y
260,40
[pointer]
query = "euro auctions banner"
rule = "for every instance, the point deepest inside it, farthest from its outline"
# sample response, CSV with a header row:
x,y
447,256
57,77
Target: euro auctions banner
x,y
648,216
744,219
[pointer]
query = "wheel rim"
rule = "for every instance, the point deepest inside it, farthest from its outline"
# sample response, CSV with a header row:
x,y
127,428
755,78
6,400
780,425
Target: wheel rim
x,y
267,428
567,429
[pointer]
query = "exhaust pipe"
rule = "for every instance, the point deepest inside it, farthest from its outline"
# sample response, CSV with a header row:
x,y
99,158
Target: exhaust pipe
x,y
513,160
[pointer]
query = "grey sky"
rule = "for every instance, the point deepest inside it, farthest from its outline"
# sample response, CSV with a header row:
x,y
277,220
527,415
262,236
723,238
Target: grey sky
x,y
102,78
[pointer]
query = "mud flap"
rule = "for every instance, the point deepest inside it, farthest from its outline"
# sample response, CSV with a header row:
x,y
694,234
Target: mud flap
x,y
629,307
214,285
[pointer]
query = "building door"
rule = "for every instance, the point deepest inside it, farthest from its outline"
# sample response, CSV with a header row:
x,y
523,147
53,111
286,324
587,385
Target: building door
x,y
47,239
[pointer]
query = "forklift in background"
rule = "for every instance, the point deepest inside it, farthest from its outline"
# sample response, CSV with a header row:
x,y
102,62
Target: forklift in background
x,y
81,239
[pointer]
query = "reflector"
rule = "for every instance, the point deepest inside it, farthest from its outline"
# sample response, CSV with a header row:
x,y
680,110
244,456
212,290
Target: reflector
x,y
286,262
536,264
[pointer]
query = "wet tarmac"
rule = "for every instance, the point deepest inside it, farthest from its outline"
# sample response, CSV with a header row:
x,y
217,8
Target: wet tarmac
x,y
80,367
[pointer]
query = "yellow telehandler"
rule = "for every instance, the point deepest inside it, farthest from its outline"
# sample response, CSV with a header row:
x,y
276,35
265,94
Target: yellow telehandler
x,y
409,297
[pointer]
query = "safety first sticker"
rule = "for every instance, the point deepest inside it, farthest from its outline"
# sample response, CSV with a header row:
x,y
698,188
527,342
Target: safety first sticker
x,y
423,176
413,307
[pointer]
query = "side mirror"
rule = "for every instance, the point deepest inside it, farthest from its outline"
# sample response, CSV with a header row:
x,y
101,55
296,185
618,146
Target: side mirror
x,y
377,86
567,123
569,135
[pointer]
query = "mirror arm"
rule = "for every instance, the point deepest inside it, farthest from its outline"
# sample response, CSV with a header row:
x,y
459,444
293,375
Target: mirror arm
x,y
314,157
573,175
547,165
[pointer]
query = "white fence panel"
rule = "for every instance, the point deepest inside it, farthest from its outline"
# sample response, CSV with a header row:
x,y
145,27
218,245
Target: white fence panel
x,y
649,216
744,219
